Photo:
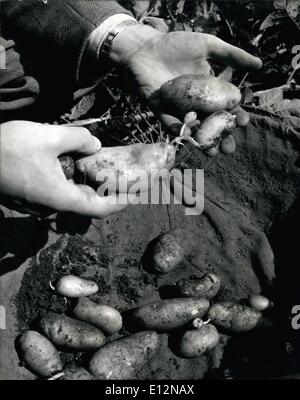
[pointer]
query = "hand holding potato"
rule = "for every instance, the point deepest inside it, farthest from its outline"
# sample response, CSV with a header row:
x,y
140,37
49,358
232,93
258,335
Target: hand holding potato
x,y
32,179
153,58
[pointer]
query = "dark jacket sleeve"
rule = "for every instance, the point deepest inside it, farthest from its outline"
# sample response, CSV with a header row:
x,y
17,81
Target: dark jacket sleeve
x,y
51,35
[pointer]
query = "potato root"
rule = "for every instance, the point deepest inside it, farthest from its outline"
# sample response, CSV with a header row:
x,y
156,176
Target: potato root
x,y
167,315
213,128
234,317
127,165
104,317
203,94
207,286
39,354
73,286
196,342
69,333
123,358
168,253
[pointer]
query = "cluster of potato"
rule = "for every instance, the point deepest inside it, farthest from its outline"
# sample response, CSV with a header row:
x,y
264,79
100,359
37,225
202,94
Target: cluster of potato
x,y
204,96
92,326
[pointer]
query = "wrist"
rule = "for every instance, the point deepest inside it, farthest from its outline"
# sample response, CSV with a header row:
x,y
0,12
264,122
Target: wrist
x,y
128,42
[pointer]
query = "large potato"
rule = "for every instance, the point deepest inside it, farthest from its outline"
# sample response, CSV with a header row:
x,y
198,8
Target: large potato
x,y
234,317
167,315
123,358
39,354
168,253
104,317
126,166
203,94
196,342
70,333
207,286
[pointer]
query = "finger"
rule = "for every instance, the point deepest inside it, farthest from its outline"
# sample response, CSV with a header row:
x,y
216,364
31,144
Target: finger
x,y
225,53
242,117
72,139
82,199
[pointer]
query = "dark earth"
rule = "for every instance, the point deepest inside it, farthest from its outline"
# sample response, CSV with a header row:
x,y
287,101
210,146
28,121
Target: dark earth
x,y
251,207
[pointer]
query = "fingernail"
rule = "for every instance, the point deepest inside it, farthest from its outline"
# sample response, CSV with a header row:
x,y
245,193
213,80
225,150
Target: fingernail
x,y
97,143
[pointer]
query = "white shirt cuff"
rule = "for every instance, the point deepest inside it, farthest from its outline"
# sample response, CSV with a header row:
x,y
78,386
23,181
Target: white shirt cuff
x,y
98,36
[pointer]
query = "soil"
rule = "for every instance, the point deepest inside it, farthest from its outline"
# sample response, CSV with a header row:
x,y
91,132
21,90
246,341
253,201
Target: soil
x,y
251,207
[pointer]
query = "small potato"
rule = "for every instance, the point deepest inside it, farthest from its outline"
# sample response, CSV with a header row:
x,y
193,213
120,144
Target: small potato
x,y
70,333
202,93
39,354
170,314
207,286
228,145
260,303
212,152
234,317
190,117
168,253
73,373
73,286
123,358
213,128
196,342
106,318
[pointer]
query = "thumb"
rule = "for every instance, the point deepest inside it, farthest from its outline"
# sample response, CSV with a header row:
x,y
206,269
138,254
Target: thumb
x,y
65,139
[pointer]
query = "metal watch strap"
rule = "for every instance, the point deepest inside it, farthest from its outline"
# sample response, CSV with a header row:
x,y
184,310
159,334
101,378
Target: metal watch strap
x,y
105,48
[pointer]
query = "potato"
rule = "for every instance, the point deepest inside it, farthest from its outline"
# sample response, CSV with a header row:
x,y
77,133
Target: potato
x,y
73,373
212,152
234,317
170,314
70,333
196,342
228,145
190,117
167,253
128,165
207,286
39,354
203,94
73,286
123,358
213,128
106,318
260,303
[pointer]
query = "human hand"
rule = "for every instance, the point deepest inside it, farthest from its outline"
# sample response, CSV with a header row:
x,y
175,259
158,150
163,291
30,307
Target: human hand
x,y
153,57
31,176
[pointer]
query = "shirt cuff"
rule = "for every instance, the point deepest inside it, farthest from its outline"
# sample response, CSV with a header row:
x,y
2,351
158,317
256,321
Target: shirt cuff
x,y
98,36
